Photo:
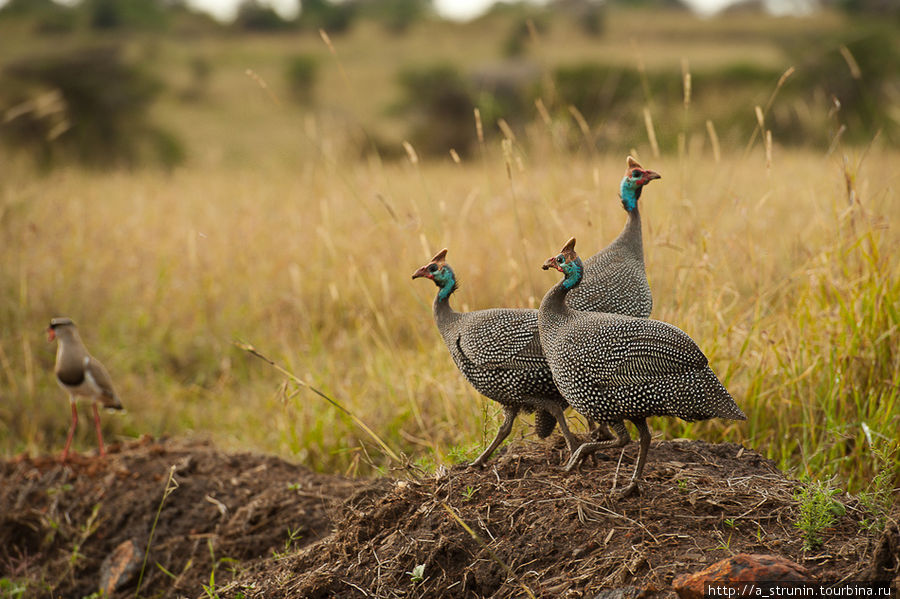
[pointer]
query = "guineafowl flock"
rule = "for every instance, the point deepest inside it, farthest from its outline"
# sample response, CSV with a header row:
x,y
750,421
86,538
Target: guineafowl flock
x,y
590,345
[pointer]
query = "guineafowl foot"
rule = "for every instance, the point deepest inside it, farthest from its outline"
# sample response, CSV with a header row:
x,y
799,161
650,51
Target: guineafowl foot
x,y
632,489
509,415
477,463
590,447
578,456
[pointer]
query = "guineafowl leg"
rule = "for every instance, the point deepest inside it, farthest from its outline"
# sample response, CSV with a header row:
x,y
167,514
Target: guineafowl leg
x,y
509,415
557,411
634,486
590,447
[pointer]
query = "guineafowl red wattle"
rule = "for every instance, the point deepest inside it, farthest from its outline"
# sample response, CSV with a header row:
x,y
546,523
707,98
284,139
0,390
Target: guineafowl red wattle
x,y
499,353
611,367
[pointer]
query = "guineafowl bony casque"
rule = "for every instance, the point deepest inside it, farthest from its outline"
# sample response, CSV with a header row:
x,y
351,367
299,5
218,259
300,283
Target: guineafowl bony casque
x,y
499,353
611,367
80,375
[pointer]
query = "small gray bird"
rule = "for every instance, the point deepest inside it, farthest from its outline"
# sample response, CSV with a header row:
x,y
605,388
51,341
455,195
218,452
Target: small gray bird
x,y
81,375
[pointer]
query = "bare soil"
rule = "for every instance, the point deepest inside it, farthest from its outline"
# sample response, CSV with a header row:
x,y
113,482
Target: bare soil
x,y
249,525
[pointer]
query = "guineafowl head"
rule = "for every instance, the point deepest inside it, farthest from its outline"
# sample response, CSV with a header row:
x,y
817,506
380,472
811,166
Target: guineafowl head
x,y
633,182
568,263
440,272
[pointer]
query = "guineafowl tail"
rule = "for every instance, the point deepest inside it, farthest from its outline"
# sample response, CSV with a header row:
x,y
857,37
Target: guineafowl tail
x,y
702,396
690,395
544,423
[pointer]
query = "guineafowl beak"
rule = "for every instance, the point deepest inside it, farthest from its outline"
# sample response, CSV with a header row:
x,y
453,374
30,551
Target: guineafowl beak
x,y
51,335
650,176
423,272
551,263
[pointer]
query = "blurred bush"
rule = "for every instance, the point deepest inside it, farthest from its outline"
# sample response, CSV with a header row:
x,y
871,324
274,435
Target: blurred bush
x,y
131,14
506,90
438,104
396,16
252,15
200,69
46,15
588,15
86,105
519,34
856,76
323,14
301,74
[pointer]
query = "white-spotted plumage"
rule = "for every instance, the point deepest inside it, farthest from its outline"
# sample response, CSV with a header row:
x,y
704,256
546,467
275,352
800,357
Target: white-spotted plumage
x,y
611,367
499,352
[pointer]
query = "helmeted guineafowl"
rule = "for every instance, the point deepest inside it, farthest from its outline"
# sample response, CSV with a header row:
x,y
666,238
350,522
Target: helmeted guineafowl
x,y
614,278
611,367
499,353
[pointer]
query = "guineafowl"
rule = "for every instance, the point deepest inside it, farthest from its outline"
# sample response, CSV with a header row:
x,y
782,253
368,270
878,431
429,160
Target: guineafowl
x,y
614,278
499,353
611,367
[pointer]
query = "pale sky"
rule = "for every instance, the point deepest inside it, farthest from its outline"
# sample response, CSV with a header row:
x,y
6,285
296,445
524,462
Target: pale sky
x,y
455,9
467,9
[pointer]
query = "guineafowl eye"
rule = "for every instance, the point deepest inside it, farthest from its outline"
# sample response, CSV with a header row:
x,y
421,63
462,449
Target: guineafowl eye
x,y
635,173
432,268
561,259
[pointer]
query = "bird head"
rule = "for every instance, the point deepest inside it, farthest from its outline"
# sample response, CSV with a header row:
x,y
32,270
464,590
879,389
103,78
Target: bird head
x,y
633,182
440,272
568,263
56,325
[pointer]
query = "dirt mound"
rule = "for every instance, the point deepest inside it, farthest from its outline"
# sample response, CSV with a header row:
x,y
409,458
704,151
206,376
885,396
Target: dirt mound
x,y
58,523
267,528
562,534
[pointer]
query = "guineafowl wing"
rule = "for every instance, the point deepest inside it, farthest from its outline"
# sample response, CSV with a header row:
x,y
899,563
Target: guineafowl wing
x,y
501,338
627,351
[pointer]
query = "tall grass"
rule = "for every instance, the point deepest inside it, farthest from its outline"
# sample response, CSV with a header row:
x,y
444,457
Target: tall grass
x,y
779,263
791,289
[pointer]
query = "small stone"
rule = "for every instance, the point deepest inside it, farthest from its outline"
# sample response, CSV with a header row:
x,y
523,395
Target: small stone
x,y
739,569
120,567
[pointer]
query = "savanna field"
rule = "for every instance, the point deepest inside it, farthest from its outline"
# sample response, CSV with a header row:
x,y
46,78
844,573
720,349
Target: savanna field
x,y
295,227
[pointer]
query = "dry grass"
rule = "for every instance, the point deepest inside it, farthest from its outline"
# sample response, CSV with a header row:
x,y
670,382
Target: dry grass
x,y
784,273
790,290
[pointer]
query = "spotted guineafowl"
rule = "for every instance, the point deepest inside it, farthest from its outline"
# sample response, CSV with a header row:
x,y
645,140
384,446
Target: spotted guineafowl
x,y
611,367
614,278
499,353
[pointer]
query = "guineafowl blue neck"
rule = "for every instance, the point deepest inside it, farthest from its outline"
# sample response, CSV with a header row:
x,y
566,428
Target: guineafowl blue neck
x,y
574,272
629,194
444,315
553,306
446,280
